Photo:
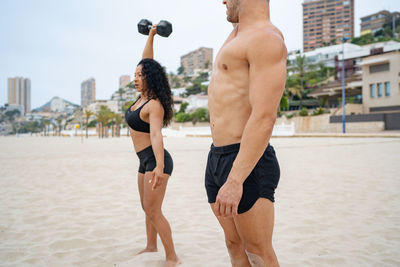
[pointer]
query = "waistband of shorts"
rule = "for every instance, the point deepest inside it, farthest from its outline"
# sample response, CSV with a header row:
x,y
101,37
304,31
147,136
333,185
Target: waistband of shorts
x,y
145,152
225,149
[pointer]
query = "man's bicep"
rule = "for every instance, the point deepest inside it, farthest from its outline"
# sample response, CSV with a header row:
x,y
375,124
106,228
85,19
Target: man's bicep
x,y
267,83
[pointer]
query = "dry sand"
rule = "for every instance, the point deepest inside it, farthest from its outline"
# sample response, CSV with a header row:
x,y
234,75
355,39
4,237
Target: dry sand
x,y
64,203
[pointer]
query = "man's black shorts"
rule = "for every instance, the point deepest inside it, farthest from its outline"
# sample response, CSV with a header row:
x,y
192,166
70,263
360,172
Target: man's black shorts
x,y
261,182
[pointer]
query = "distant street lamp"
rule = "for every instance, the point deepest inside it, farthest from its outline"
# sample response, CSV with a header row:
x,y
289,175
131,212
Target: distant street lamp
x,y
343,88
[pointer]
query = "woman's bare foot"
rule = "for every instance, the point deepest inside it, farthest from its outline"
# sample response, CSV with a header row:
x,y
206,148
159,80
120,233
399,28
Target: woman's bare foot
x,y
172,263
147,249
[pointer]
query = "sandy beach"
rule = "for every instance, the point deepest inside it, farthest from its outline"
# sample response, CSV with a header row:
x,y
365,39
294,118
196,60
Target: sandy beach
x,y
68,203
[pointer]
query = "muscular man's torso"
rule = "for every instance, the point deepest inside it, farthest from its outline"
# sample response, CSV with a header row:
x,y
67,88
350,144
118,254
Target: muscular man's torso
x,y
228,92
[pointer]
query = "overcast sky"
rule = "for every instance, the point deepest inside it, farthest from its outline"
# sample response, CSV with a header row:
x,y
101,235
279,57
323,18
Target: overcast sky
x,y
59,43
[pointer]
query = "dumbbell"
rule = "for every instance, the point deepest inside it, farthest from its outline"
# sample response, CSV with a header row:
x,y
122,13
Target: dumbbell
x,y
164,28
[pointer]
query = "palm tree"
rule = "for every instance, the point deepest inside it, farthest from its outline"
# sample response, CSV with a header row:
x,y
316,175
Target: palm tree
x,y
100,122
103,119
68,121
296,83
46,127
59,125
121,91
118,121
54,126
181,70
131,85
88,114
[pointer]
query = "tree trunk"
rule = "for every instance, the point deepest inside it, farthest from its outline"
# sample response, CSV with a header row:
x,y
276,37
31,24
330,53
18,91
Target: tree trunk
x,y
99,130
301,101
87,130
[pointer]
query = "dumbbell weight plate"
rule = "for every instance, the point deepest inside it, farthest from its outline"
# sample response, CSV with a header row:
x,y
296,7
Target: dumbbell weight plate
x,y
164,28
144,26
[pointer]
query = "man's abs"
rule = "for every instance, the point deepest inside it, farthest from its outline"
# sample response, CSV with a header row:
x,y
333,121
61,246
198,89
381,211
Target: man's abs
x,y
229,111
228,93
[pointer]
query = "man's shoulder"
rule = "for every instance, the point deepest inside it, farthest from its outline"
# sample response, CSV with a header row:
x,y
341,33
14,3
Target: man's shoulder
x,y
266,41
266,35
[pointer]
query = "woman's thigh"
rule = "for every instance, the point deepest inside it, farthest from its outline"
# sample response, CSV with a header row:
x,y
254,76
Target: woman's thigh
x,y
153,198
141,187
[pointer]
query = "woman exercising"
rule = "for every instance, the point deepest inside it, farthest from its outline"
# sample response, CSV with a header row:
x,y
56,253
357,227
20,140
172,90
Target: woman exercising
x,y
146,117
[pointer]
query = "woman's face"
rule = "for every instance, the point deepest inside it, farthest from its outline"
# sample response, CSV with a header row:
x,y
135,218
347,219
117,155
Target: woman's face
x,y
139,80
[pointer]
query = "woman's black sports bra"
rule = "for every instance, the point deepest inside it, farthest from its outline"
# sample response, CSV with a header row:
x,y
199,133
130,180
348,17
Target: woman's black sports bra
x,y
134,121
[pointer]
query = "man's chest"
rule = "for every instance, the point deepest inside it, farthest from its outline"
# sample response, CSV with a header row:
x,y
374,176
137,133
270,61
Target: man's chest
x,y
232,56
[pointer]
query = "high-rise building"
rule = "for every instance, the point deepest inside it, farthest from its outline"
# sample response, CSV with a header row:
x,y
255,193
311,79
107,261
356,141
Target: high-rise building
x,y
124,80
19,92
327,22
376,22
88,92
198,60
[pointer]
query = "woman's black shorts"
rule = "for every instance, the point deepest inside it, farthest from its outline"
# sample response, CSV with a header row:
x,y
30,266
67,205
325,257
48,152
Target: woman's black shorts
x,y
261,182
148,161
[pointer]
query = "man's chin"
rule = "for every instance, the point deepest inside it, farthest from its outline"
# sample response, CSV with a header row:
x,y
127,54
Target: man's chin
x,y
231,20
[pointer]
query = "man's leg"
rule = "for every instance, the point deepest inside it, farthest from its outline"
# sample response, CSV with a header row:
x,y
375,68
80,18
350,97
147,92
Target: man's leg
x,y
233,243
255,228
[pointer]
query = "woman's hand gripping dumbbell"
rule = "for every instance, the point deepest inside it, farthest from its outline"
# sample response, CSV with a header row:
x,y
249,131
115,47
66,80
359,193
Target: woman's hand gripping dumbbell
x,y
164,28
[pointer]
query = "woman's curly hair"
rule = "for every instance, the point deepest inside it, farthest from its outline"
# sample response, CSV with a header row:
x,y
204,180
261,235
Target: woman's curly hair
x,y
158,86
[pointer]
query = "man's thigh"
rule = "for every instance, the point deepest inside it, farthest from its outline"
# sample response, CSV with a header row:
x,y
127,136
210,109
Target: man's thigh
x,y
255,226
229,227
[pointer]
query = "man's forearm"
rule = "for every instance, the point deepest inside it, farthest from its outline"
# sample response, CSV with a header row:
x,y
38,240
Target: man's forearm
x,y
255,138
148,49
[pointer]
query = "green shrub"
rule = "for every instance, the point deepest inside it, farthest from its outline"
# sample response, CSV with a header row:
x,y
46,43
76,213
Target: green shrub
x,y
303,112
183,107
318,111
289,115
183,117
200,115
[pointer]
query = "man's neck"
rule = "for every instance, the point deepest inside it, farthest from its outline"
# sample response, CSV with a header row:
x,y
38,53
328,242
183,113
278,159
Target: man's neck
x,y
253,11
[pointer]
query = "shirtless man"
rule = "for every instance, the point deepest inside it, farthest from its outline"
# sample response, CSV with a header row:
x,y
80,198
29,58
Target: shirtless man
x,y
244,94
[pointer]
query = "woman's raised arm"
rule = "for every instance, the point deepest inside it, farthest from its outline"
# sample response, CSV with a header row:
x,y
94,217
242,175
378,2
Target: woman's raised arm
x,y
148,49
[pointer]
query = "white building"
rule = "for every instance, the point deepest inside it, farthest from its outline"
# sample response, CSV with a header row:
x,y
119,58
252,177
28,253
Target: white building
x,y
326,54
178,91
196,102
57,104
20,108
95,106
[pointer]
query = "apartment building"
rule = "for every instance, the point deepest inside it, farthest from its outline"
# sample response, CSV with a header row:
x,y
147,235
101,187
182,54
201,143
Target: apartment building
x,y
19,93
327,22
88,92
376,22
200,60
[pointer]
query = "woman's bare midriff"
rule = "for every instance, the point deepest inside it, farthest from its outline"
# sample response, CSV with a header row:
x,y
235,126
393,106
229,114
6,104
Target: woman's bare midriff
x,y
140,140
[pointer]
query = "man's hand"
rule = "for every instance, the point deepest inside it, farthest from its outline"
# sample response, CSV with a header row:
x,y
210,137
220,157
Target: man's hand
x,y
157,178
228,198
